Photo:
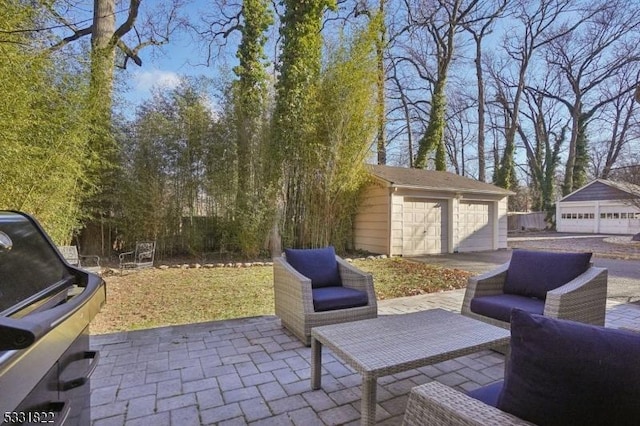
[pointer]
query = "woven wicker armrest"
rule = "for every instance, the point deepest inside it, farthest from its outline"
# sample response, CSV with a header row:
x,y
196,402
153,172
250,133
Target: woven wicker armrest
x,y
291,288
435,404
582,299
353,277
488,284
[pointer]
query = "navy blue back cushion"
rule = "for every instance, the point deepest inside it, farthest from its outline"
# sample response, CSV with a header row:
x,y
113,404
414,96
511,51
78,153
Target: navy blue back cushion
x,y
319,265
567,373
534,273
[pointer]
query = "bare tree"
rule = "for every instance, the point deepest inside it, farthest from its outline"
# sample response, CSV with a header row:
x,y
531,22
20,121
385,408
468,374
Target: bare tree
x,y
217,27
542,145
458,132
591,61
538,24
442,21
404,109
479,29
621,118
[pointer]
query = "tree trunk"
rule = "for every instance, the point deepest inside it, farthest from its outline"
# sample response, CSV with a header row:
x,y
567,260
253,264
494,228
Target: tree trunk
x,y
102,56
567,187
480,79
381,113
435,128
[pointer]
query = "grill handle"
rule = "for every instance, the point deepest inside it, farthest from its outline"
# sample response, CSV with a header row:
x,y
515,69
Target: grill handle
x,y
94,356
20,333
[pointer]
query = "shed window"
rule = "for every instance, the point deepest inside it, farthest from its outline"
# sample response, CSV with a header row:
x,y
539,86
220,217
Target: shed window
x,y
623,215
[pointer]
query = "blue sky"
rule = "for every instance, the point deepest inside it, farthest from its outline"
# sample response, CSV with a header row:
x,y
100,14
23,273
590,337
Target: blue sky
x,y
163,66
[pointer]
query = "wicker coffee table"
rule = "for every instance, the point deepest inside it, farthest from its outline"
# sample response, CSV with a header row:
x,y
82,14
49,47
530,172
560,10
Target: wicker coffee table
x,y
392,344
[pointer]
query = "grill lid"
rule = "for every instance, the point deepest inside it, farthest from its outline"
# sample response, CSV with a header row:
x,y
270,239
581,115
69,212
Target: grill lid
x,y
29,262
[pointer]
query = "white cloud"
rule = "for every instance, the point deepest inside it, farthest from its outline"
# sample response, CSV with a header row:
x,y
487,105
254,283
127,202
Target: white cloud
x,y
144,81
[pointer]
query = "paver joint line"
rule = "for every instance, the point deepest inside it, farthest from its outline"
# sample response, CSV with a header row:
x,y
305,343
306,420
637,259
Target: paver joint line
x,y
165,373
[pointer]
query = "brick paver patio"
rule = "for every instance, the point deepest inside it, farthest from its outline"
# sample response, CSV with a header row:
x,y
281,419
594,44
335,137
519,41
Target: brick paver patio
x,y
251,371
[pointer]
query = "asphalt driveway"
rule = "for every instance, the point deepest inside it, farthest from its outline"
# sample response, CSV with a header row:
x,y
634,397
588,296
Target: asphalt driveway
x,y
622,260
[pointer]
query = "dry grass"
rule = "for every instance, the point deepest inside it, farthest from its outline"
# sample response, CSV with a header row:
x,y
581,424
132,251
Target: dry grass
x,y
155,298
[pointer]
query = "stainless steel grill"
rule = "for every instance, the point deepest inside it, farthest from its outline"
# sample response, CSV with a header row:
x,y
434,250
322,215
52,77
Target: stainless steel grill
x,y
46,306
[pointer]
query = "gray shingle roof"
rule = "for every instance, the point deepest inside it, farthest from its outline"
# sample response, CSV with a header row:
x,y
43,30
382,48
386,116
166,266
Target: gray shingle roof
x,y
623,186
434,180
602,189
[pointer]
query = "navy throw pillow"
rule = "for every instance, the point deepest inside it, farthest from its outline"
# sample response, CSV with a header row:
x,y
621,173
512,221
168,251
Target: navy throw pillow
x,y
567,373
534,273
319,265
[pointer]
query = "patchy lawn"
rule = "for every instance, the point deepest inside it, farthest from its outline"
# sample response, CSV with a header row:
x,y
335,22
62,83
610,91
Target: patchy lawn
x,y
155,298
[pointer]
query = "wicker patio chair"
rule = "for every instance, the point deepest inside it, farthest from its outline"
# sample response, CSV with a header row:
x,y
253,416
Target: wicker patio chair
x,y
435,404
294,303
582,299
557,372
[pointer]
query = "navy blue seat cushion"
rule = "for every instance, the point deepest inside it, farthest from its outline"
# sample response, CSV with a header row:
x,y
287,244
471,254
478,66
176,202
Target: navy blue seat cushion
x,y
332,298
534,273
500,306
567,373
319,265
488,394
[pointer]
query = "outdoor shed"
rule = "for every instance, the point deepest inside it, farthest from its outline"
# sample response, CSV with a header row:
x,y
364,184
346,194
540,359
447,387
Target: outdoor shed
x,y
601,206
412,212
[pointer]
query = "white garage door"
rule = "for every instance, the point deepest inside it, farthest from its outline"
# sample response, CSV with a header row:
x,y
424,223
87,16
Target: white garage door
x,y
614,221
424,227
475,226
576,219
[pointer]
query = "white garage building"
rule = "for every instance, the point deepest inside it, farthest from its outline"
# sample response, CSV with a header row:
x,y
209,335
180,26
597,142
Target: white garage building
x,y
411,212
600,207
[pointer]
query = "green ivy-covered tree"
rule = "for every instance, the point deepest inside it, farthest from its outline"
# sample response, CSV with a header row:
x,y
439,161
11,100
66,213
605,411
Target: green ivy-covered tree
x,y
442,25
250,102
293,146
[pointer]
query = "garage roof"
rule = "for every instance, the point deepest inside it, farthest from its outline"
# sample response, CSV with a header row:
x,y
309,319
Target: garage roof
x,y
433,180
602,189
